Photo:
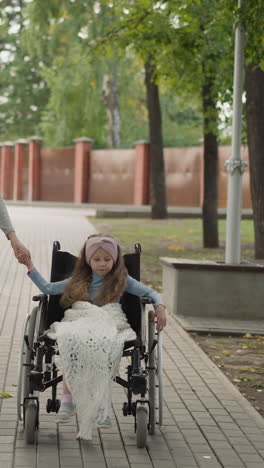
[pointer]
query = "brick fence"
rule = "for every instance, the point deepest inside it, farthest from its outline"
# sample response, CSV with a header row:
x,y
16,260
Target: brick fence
x,y
81,174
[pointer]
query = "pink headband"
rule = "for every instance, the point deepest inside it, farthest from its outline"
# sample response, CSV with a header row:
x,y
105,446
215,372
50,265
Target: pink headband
x,y
95,243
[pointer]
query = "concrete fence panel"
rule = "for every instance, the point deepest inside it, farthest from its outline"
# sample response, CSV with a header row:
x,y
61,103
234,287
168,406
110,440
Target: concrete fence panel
x,y
57,174
183,169
112,176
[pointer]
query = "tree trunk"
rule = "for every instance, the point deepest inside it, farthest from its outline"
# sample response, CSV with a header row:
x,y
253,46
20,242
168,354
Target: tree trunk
x,y
157,175
111,99
255,123
210,201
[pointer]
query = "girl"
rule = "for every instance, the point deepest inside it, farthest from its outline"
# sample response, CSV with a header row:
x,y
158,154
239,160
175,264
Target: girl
x,y
92,333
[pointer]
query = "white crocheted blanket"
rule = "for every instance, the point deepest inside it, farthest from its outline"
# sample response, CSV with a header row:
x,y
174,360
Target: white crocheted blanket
x,y
90,342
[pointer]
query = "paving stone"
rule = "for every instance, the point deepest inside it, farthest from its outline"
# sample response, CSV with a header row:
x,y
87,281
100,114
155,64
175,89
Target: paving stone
x,y
6,448
6,464
75,462
117,463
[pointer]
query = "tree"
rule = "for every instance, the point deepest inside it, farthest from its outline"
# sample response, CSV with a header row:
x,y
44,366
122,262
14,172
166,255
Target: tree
x,y
252,17
158,186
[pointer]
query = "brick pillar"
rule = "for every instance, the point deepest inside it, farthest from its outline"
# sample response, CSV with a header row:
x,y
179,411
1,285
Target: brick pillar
x,y
6,180
81,169
18,169
142,173
34,145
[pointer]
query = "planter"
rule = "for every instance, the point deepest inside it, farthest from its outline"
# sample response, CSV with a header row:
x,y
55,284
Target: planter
x,y
211,294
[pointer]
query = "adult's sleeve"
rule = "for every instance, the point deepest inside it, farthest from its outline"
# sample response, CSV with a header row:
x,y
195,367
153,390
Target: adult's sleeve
x,y
57,287
140,289
5,222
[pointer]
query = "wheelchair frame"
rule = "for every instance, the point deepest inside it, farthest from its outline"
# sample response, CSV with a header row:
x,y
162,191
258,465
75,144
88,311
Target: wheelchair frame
x,y
38,371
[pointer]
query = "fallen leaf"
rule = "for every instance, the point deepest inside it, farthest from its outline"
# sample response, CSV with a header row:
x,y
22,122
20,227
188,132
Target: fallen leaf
x,y
5,395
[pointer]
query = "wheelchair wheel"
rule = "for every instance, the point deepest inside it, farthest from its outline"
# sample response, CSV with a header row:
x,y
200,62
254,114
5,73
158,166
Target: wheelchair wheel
x,y
151,376
159,378
25,362
141,426
31,422
155,376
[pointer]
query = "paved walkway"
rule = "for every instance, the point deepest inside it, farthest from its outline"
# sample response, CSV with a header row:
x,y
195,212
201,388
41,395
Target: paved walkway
x,y
207,423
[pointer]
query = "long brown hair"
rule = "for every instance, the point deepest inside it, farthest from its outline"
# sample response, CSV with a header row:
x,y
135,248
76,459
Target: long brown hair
x,y
112,288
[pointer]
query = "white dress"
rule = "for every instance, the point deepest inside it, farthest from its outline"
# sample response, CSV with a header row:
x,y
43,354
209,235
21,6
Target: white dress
x,y
90,342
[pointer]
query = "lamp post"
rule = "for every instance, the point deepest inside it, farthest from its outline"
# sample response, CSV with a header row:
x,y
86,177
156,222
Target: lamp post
x,y
235,166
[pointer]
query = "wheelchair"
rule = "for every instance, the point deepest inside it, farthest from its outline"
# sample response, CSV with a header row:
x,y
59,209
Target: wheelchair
x,y
37,363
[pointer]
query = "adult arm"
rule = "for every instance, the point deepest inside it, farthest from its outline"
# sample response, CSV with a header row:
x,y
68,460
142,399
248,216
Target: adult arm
x,y
5,223
20,251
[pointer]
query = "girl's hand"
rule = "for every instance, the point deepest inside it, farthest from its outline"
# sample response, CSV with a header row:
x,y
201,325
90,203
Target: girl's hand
x,y
160,313
20,251
27,262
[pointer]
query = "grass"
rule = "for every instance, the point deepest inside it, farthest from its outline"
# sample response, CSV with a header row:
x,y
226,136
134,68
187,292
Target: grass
x,y
180,238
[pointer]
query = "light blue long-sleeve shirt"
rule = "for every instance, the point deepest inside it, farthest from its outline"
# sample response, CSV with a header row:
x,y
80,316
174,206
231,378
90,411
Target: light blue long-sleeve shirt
x,y
133,287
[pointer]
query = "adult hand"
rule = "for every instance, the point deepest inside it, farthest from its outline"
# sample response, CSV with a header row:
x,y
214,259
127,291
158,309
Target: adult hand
x,y
160,313
20,251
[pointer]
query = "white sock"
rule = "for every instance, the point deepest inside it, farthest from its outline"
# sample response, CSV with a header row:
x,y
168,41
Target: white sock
x,y
66,398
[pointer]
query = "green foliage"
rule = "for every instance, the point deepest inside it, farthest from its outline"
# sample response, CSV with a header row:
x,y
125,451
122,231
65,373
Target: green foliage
x,y
24,93
189,42
74,108
182,121
252,16
74,71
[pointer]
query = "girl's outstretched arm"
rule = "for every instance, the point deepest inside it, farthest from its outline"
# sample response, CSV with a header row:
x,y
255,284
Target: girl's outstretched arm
x,y
46,287
140,289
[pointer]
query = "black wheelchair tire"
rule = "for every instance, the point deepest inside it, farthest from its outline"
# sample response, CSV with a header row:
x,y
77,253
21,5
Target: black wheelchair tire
x,y
24,361
159,380
141,426
30,423
30,333
151,375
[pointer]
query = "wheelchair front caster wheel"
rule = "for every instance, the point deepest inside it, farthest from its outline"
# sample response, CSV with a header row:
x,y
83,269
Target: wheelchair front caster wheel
x,y
30,423
53,406
141,426
57,405
49,405
125,409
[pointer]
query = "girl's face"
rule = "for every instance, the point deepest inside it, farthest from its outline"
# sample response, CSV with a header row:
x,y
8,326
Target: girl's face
x,y
101,262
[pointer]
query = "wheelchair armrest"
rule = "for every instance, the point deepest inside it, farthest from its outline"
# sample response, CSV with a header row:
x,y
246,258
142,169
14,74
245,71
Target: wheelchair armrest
x,y
40,297
146,300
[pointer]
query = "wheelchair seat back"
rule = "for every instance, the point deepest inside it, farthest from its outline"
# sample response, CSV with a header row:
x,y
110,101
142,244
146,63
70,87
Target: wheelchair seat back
x,y
62,266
